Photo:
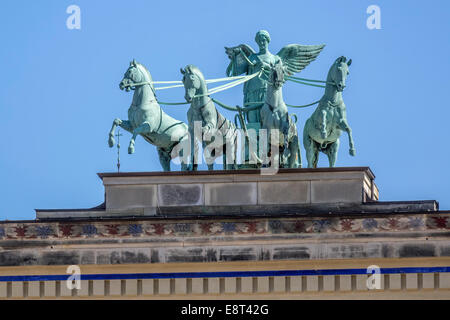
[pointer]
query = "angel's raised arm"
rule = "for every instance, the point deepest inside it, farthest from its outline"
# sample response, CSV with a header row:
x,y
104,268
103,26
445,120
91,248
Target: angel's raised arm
x,y
239,59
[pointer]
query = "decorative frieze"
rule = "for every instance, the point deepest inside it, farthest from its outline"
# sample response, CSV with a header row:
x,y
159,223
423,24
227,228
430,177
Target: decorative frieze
x,y
223,228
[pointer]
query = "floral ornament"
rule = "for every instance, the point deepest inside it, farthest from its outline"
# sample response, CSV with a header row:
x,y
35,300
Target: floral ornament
x,y
321,225
216,228
370,224
112,229
44,231
299,226
276,226
135,229
21,231
392,224
229,227
248,227
89,230
415,223
347,224
157,228
206,227
440,222
66,230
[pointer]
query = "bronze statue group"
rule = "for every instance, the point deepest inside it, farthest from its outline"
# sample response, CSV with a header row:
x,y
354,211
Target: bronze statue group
x,y
268,132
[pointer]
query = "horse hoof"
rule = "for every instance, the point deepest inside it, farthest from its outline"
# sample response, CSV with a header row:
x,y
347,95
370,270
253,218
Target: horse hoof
x,y
111,142
352,152
130,150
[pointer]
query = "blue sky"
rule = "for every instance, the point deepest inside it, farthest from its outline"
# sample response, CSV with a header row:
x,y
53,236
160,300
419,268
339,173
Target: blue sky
x,y
59,88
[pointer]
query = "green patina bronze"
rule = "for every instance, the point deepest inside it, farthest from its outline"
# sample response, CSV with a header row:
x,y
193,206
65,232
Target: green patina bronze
x,y
244,59
274,115
323,129
263,108
213,123
147,119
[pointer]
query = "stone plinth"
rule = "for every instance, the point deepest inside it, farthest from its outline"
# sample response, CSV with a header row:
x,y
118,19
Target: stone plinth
x,y
221,194
145,192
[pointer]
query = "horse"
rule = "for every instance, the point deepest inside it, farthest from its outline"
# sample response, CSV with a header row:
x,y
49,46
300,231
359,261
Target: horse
x,y
147,119
274,116
323,129
203,111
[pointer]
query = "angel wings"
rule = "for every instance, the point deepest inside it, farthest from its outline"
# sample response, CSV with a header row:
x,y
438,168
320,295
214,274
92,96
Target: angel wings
x,y
295,57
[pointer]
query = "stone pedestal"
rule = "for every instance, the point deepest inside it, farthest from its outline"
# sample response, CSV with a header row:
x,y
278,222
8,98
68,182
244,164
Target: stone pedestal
x,y
148,194
229,192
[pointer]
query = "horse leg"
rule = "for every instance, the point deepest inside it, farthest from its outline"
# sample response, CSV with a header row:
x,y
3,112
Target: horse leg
x,y
195,155
144,128
125,124
184,162
343,124
273,149
193,150
312,152
229,154
295,160
224,153
180,151
233,146
299,152
323,126
287,154
164,159
211,157
332,152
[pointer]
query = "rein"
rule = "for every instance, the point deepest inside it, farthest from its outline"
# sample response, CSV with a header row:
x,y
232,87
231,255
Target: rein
x,y
236,81
302,81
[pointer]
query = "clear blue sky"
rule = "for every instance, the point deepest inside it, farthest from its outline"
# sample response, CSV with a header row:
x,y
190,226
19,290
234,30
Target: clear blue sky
x,y
59,88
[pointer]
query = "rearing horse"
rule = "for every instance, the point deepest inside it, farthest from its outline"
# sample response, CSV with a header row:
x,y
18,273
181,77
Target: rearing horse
x,y
213,123
323,129
146,118
274,116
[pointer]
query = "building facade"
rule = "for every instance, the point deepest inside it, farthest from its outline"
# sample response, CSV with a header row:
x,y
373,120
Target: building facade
x,y
299,234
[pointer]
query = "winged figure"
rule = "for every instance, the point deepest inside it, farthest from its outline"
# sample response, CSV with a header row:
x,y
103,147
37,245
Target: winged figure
x,y
244,59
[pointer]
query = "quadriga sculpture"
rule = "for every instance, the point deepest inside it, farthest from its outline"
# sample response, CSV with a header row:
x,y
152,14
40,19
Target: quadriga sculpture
x,y
323,129
204,112
274,115
147,119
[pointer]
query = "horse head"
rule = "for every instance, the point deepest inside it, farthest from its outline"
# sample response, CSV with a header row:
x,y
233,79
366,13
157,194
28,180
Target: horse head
x,y
136,75
276,76
193,80
339,72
